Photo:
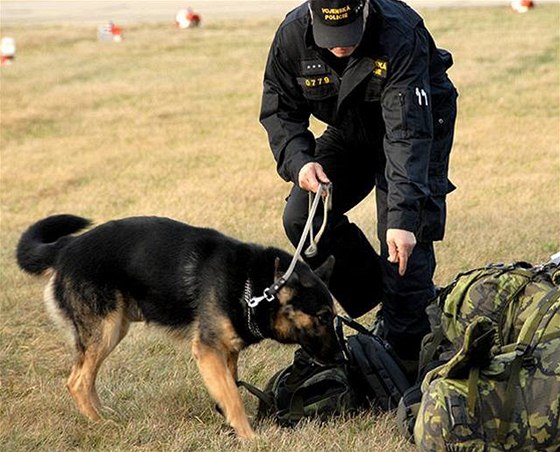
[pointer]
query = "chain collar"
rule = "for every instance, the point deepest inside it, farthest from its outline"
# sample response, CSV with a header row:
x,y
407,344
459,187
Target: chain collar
x,y
252,325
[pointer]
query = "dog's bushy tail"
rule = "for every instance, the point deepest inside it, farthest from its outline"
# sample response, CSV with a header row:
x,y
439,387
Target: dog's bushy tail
x,y
40,243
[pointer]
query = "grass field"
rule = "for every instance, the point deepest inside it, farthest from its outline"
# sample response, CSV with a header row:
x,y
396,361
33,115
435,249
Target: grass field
x,y
166,123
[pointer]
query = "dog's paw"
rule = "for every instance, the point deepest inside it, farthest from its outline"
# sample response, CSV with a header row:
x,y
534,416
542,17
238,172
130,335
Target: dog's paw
x,y
219,410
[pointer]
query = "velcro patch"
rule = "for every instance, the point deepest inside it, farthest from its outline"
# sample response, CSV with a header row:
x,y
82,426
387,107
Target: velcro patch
x,y
313,67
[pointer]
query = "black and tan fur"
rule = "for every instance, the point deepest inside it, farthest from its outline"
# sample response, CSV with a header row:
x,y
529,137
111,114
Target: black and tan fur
x,y
192,281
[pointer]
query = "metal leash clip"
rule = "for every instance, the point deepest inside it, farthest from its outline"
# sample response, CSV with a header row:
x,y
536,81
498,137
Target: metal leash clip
x,y
254,301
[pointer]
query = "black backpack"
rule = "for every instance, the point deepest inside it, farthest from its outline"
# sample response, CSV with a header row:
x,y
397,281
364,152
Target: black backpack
x,y
374,366
369,378
305,389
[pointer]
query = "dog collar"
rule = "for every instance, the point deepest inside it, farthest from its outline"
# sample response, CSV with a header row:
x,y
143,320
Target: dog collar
x,y
251,324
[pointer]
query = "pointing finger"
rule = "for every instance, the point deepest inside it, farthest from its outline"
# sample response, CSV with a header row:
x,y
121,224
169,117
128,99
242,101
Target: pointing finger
x,y
403,262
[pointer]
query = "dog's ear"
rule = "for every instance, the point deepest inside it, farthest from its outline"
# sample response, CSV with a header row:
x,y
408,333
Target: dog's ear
x,y
324,271
277,273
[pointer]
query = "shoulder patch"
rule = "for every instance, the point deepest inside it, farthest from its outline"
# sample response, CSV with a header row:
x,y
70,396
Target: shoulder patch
x,y
379,68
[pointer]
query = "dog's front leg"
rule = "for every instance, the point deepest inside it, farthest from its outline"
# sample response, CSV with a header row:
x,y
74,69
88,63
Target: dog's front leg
x,y
213,366
232,364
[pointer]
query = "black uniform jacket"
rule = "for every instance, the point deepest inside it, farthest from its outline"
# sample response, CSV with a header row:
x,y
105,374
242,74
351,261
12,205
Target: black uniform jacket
x,y
393,97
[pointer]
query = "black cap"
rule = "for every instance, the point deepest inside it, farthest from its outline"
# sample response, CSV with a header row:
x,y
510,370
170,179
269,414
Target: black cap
x,y
337,23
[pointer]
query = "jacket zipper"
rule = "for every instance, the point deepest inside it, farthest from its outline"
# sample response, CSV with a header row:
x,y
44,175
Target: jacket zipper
x,y
403,111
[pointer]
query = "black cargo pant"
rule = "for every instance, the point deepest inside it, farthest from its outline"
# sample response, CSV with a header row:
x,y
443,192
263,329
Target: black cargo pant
x,y
363,278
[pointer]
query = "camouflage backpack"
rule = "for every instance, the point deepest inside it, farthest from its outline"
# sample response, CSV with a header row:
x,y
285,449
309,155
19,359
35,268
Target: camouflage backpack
x,y
497,332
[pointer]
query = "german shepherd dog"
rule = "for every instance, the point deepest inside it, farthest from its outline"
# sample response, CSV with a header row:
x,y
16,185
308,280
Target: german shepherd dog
x,y
194,282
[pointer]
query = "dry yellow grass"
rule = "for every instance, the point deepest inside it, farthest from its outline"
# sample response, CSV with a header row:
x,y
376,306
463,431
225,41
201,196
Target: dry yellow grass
x,y
166,123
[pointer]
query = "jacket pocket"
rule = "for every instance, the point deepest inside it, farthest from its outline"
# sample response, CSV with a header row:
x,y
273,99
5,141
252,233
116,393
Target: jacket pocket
x,y
444,112
407,114
434,211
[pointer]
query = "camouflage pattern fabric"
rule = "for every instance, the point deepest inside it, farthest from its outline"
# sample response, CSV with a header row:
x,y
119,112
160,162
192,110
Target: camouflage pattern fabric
x,y
503,293
500,390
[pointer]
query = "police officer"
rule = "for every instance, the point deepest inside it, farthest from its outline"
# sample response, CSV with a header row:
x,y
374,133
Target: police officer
x,y
371,72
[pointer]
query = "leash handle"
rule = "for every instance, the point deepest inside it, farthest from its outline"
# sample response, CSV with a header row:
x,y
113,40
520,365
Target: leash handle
x,y
307,230
312,249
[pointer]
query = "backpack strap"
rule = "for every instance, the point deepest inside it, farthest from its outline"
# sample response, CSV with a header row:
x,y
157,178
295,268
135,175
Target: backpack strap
x,y
430,345
524,342
264,397
531,326
352,324
510,305
339,322
472,393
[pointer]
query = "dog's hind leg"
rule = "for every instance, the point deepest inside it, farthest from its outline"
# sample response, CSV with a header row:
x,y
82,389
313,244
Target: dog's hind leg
x,y
104,337
215,371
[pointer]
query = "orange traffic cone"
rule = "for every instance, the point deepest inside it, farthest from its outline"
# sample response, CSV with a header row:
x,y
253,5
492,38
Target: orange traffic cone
x,y
7,51
110,32
187,18
522,6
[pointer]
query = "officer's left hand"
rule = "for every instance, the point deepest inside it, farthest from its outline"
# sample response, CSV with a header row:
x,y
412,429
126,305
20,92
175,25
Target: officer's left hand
x,y
400,244
311,175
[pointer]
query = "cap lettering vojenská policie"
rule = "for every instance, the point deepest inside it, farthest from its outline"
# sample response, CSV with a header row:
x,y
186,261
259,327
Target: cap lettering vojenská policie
x,y
337,23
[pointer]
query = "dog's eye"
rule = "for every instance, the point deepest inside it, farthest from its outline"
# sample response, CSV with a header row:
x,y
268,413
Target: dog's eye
x,y
325,318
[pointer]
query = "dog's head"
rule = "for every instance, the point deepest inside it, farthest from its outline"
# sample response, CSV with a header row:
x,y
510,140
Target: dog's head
x,y
306,312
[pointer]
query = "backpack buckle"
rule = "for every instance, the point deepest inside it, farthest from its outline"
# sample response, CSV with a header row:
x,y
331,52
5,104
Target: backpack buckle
x,y
530,362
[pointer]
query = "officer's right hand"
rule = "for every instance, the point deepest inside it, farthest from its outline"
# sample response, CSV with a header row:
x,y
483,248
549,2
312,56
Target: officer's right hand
x,y
311,175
